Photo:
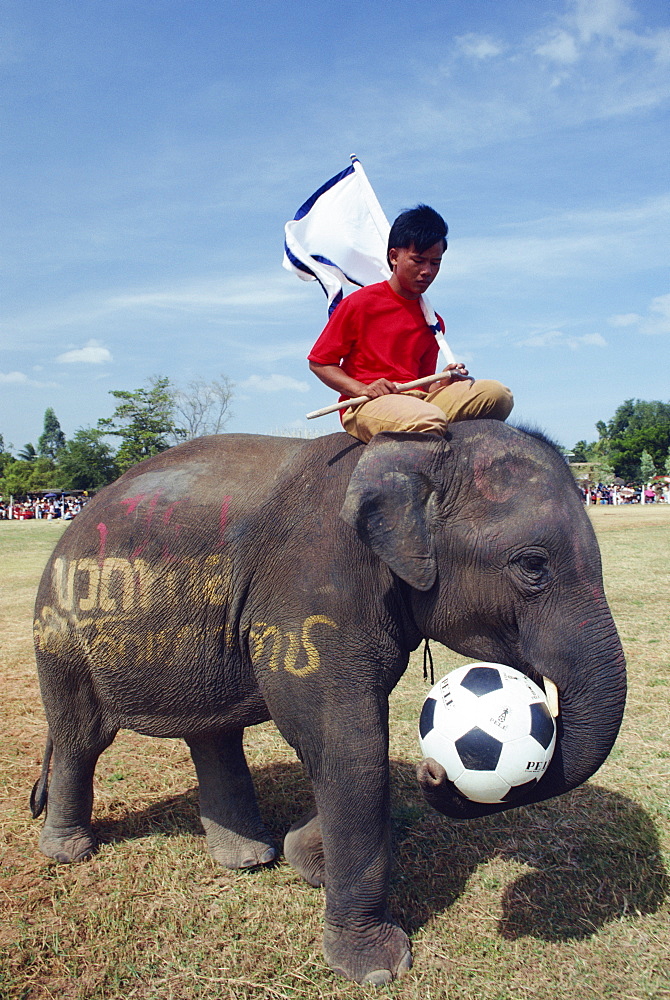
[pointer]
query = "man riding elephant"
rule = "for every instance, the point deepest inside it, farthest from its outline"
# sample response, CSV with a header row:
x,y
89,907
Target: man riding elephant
x,y
378,337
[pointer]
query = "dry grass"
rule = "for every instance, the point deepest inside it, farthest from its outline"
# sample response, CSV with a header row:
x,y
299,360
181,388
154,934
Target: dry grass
x,y
564,900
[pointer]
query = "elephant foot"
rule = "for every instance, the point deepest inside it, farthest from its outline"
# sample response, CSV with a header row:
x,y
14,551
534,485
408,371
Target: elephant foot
x,y
372,957
67,844
233,850
303,849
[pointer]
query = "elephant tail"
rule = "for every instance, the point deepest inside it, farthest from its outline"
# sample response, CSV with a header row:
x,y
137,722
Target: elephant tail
x,y
40,792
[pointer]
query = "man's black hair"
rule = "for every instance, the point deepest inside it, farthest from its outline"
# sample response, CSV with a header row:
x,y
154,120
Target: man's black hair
x,y
421,226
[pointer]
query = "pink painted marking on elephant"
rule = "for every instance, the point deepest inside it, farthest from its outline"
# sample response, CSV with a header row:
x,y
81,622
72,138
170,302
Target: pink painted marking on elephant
x,y
152,507
168,514
498,477
132,503
138,550
223,517
102,531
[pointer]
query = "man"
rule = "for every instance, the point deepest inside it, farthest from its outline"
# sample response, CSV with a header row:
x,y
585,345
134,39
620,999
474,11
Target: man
x,y
378,336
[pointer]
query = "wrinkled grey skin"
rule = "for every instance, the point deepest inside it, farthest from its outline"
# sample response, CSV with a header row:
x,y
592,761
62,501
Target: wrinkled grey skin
x,y
239,578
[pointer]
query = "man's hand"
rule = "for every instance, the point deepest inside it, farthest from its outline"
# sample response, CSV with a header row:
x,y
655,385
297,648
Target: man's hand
x,y
335,378
455,372
380,387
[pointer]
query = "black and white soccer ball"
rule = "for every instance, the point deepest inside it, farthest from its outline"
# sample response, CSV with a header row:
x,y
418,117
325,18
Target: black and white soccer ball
x,y
490,728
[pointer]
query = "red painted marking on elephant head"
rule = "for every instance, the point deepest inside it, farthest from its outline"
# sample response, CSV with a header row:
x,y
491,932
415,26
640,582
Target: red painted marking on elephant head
x,y
168,514
152,507
132,503
223,517
499,477
102,531
139,550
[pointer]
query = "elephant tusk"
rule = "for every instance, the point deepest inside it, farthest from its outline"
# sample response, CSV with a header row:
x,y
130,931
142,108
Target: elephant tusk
x,y
551,692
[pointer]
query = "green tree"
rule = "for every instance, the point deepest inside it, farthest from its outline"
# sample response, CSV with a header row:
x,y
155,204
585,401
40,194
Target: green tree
x,y
52,439
20,477
144,420
28,453
86,462
647,467
580,451
637,426
5,460
667,464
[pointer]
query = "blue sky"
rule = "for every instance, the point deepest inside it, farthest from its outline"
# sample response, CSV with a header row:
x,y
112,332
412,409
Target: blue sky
x,y
154,149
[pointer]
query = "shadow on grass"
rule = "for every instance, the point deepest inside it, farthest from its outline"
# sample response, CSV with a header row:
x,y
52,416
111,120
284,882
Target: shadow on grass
x,y
592,856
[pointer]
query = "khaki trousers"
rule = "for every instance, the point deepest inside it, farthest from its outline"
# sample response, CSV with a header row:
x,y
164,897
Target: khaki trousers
x,y
429,412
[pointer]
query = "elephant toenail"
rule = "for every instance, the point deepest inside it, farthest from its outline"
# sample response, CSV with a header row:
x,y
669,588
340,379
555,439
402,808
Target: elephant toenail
x,y
378,978
405,963
269,855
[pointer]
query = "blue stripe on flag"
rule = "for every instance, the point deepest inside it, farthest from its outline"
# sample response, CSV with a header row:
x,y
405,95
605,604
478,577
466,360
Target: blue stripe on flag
x,y
304,209
297,262
331,263
322,260
303,267
336,301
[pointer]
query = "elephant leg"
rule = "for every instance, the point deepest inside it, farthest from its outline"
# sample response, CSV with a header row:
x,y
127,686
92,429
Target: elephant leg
x,y
361,940
303,849
348,765
229,812
67,835
80,731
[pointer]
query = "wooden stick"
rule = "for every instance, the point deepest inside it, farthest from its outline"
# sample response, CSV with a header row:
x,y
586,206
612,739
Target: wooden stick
x,y
426,380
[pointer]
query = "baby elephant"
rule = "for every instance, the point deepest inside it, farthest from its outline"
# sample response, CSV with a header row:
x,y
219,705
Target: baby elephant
x,y
239,578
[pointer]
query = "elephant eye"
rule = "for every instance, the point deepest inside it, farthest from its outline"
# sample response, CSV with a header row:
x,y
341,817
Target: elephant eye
x,y
532,566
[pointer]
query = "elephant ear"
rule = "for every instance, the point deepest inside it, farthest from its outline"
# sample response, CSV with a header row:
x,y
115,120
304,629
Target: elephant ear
x,y
390,502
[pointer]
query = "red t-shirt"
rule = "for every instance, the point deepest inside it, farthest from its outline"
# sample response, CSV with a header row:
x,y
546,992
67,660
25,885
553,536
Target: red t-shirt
x,y
375,333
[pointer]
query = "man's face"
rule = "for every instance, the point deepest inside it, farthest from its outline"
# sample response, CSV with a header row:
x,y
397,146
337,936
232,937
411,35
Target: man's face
x,y
414,272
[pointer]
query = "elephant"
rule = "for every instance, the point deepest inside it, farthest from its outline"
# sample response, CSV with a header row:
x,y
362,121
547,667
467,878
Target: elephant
x,y
239,578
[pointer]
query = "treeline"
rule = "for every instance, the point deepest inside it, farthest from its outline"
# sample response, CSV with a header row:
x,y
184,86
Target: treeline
x,y
634,445
145,422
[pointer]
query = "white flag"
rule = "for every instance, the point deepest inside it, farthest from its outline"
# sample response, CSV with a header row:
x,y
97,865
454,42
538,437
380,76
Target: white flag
x,y
340,236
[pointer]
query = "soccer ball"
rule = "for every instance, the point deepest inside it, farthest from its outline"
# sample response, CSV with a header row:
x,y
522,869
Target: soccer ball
x,y
490,728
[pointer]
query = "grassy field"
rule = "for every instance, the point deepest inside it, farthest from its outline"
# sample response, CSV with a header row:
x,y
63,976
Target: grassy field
x,y
568,899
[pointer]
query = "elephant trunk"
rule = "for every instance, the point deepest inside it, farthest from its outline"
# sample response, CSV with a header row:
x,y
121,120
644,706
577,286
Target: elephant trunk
x,y
592,689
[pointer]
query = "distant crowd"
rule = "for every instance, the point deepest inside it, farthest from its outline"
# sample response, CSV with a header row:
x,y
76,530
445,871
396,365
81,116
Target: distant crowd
x,y
625,494
47,508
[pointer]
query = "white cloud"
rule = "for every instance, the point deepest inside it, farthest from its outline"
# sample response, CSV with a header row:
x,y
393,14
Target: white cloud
x,y
268,352
19,378
565,244
92,353
273,383
260,292
560,47
657,320
601,18
556,338
478,46
592,340
624,319
606,22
